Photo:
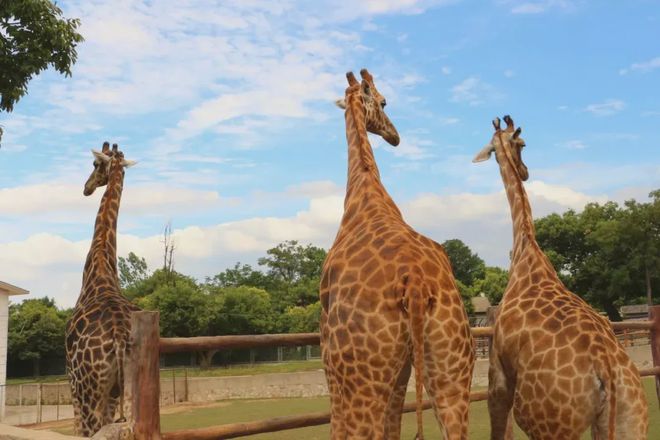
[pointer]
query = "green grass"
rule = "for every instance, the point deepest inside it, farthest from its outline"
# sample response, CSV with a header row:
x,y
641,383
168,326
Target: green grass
x,y
234,370
232,411
40,379
247,410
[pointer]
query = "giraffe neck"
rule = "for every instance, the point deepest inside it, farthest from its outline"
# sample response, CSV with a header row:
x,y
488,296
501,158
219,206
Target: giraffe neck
x,y
526,254
102,256
524,234
364,186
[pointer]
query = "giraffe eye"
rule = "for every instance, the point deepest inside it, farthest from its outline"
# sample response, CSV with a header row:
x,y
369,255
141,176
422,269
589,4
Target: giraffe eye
x,y
383,103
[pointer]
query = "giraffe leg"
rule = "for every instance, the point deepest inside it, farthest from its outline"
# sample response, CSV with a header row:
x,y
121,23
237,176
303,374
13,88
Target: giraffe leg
x,y
630,410
395,406
364,410
500,400
449,361
337,427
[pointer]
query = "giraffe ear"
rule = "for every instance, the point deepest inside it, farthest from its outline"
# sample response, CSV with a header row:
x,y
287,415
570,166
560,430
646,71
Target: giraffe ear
x,y
341,103
101,156
366,88
128,163
484,154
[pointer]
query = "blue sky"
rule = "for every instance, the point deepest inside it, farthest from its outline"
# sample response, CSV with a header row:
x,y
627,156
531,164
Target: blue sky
x,y
229,111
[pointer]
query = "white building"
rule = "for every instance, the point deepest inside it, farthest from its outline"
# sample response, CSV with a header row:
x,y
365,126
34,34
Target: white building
x,y
6,290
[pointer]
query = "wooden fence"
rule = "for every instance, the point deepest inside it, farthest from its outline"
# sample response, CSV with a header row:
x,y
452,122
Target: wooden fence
x,y
142,375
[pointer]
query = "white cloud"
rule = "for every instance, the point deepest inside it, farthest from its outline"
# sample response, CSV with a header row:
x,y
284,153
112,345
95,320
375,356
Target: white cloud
x,y
573,144
65,202
412,148
446,70
508,73
48,264
449,120
607,108
538,7
643,67
473,91
345,9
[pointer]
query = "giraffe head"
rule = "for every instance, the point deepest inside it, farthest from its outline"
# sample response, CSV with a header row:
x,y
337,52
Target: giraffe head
x,y
507,145
103,162
374,106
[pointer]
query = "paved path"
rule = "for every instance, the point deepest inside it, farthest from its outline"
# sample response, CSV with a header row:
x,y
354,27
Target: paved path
x,y
23,415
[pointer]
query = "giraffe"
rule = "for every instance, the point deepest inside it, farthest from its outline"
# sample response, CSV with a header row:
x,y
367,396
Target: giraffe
x,y
388,299
554,360
98,331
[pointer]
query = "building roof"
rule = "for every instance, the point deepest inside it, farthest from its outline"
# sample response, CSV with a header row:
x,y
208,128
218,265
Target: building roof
x,y
9,289
480,303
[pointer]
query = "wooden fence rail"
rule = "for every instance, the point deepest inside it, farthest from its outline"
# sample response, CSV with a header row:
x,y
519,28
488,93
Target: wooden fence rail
x,y
142,379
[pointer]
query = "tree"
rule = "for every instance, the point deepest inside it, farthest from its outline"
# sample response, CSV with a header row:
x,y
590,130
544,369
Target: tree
x,y
240,311
290,262
493,284
153,282
640,236
132,270
33,36
239,275
466,265
306,319
607,254
466,295
36,331
294,273
184,309
169,245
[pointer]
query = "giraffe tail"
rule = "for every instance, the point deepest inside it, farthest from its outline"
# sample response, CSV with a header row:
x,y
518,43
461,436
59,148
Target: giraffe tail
x,y
120,353
611,423
416,309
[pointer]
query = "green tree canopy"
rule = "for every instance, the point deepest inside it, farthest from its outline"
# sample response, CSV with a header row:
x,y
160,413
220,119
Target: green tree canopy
x,y
290,262
33,36
184,310
159,278
493,284
605,252
239,275
36,331
467,266
241,310
299,319
132,270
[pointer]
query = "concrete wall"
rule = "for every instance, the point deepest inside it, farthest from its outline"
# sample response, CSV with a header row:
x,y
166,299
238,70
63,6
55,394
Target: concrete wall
x,y
4,323
206,389
305,384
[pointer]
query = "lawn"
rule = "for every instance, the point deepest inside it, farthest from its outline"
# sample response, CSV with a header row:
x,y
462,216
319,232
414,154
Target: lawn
x,y
247,410
232,411
234,370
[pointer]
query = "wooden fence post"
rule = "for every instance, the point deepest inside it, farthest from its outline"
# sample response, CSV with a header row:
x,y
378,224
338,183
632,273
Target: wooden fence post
x,y
185,384
39,394
654,316
145,375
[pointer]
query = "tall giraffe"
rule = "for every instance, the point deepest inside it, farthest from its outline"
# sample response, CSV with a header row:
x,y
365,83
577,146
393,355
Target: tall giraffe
x,y
554,359
388,297
98,331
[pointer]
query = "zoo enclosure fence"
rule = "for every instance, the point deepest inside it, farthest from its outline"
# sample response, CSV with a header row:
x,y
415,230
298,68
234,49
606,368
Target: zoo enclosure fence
x,y
142,378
